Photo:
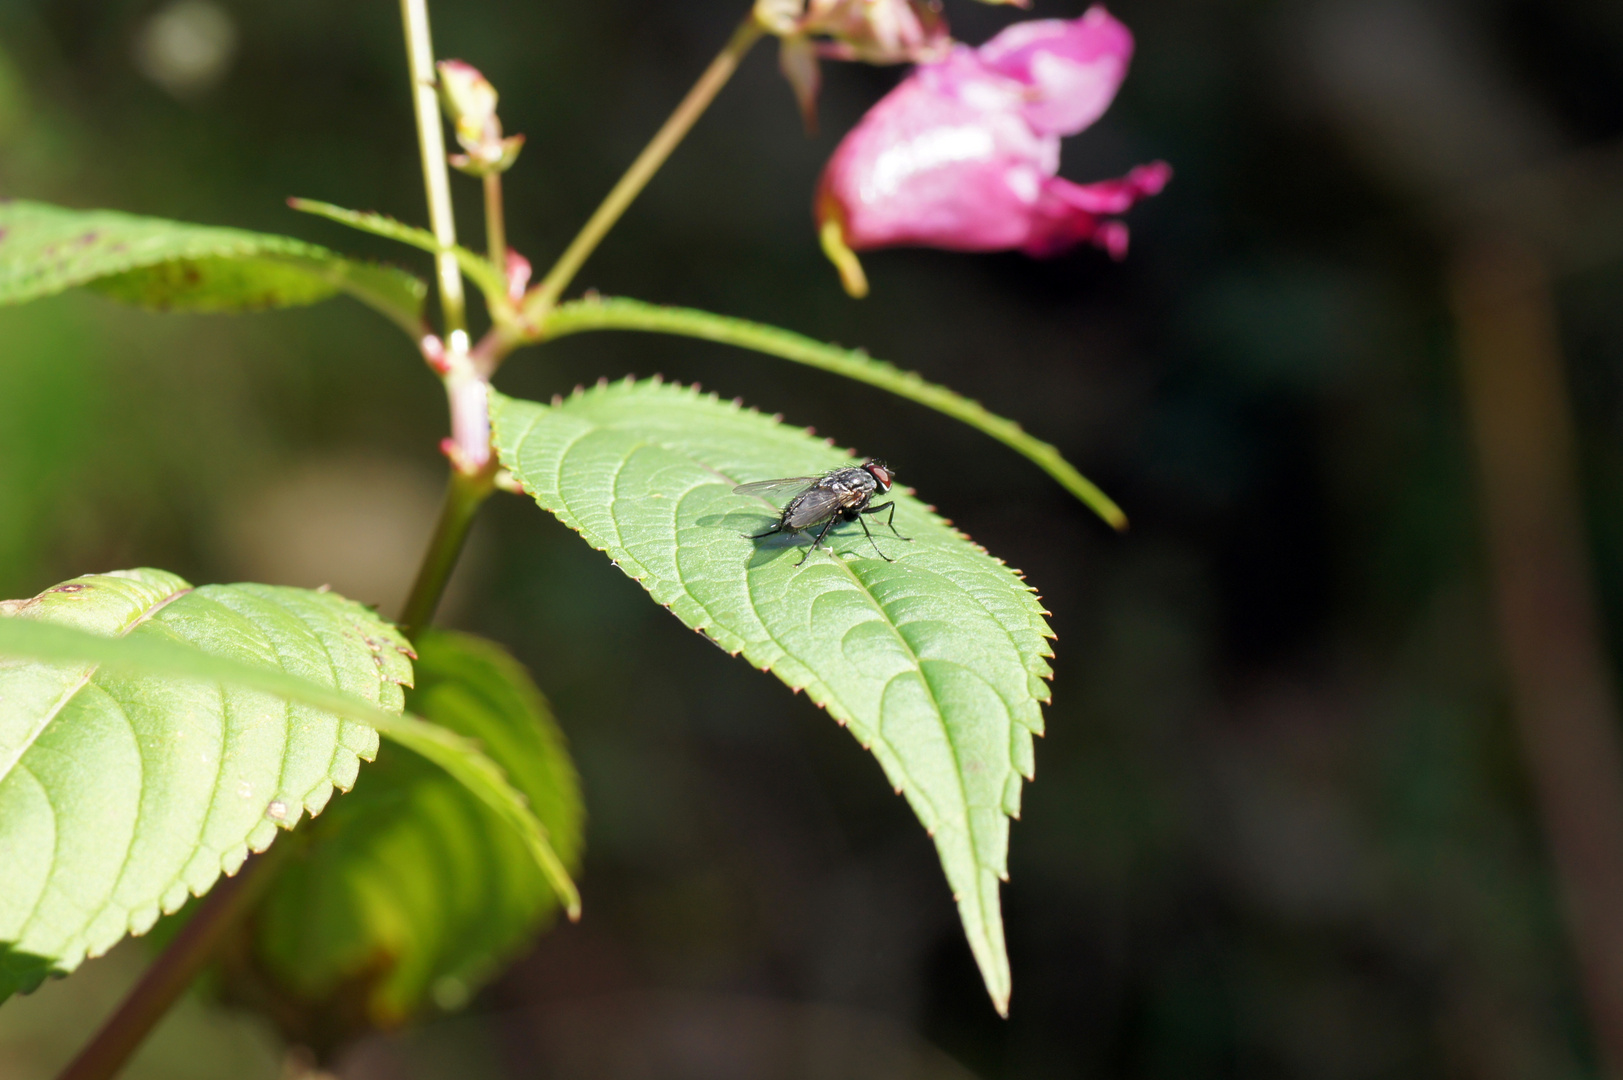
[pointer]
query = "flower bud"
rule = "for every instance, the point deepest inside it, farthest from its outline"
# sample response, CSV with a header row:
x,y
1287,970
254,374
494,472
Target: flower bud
x,y
517,274
870,31
493,157
780,17
878,31
469,98
471,102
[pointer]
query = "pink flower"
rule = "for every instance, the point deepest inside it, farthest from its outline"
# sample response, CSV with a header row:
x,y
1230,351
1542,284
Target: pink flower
x,y
964,153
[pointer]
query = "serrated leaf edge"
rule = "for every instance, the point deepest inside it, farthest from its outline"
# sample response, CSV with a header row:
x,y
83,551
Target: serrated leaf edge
x,y
140,920
988,947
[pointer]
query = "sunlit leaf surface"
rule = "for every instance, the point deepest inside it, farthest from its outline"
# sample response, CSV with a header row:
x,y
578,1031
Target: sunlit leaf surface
x,y
122,792
175,266
936,661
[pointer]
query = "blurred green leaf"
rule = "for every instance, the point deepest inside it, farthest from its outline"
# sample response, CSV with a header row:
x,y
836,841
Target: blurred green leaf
x,y
936,662
491,281
53,423
175,266
121,790
412,891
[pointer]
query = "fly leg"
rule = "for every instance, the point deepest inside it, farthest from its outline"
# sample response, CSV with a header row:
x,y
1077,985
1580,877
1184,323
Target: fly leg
x,y
890,519
819,541
869,535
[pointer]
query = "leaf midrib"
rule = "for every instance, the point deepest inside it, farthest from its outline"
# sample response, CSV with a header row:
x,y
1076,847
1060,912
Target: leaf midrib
x,y
894,627
861,586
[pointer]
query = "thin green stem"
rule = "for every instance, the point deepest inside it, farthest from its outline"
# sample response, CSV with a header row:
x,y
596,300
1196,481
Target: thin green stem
x,y
495,222
613,314
643,169
431,143
174,970
464,494
473,469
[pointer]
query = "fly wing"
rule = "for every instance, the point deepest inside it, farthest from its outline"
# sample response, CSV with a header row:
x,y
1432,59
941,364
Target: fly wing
x,y
815,505
777,490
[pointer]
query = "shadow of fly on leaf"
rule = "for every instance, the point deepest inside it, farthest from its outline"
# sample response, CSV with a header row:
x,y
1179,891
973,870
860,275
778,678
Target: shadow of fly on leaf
x,y
840,495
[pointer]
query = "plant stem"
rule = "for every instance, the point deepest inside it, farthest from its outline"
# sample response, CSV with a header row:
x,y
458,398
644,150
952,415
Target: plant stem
x,y
173,971
464,494
495,222
643,169
1559,672
436,179
473,469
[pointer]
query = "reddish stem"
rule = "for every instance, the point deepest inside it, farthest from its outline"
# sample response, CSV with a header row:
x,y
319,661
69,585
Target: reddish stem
x,y
173,971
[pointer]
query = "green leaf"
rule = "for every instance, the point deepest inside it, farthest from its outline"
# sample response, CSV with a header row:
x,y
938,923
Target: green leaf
x,y
411,891
491,281
172,265
149,654
121,793
936,661
600,313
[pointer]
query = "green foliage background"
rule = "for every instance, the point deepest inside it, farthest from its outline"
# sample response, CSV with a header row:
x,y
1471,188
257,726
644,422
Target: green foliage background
x,y
1279,826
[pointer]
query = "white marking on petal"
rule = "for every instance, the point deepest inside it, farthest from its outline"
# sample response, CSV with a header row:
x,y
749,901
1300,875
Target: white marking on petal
x,y
930,150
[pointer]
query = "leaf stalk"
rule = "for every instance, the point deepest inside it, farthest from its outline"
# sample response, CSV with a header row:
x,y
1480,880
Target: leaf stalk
x,y
675,129
596,313
495,222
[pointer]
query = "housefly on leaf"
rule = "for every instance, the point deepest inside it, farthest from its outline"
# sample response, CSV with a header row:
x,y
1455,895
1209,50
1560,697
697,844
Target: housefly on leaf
x,y
840,495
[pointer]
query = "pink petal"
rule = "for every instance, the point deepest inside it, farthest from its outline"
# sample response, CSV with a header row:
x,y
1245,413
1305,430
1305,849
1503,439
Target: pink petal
x,y
1067,214
1071,68
927,167
963,153
1115,196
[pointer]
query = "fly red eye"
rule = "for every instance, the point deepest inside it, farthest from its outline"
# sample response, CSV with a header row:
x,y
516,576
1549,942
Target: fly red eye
x,y
879,473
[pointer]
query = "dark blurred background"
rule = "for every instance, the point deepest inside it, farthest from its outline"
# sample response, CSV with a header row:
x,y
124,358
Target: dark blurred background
x,y
1282,824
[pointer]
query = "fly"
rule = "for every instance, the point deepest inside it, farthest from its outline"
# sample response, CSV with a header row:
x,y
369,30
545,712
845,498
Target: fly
x,y
840,495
